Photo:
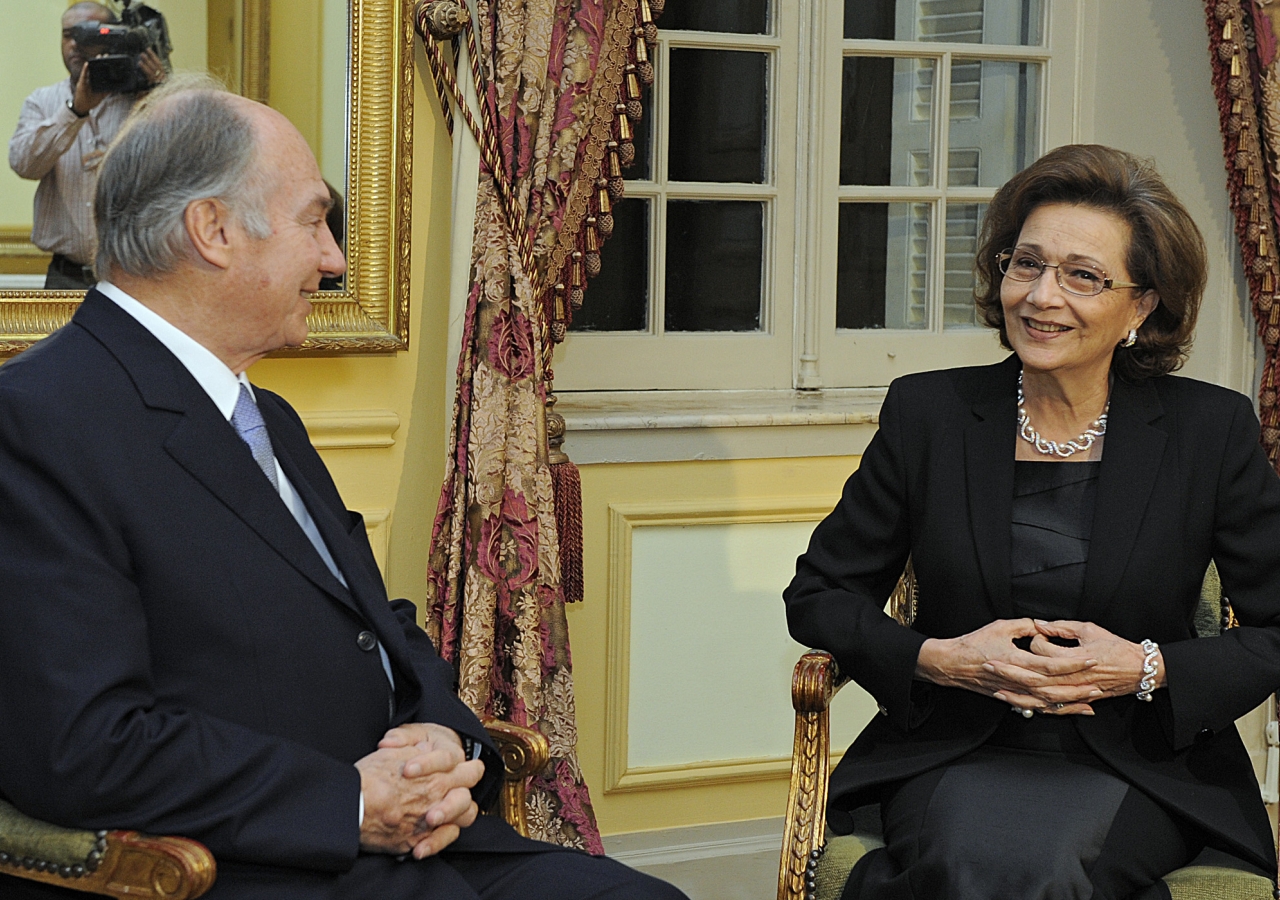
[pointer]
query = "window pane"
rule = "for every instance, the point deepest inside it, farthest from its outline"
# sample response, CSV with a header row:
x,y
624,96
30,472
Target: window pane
x,y
717,119
886,113
995,120
963,223
618,298
715,253
960,21
882,274
976,21
737,16
869,19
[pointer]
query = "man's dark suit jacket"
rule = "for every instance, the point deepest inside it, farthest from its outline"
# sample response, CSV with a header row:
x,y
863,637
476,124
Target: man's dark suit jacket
x,y
1183,480
175,655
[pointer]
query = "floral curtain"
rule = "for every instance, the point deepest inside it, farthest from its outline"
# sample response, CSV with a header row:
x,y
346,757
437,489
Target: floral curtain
x,y
1246,81
558,86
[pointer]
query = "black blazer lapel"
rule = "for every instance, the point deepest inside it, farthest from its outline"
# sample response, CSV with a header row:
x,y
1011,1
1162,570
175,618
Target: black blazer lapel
x,y
1131,460
223,464
988,464
202,441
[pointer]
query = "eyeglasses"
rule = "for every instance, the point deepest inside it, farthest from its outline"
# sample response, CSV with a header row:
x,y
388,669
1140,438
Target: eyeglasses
x,y
1077,278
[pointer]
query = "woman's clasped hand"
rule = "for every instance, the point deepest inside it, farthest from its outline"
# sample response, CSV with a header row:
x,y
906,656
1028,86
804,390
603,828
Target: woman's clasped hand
x,y
1056,668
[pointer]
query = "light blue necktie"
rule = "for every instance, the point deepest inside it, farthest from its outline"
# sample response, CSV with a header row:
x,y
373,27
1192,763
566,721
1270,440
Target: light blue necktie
x,y
247,421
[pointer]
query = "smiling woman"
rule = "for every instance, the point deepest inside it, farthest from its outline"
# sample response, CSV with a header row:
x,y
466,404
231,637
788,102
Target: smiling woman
x,y
1059,538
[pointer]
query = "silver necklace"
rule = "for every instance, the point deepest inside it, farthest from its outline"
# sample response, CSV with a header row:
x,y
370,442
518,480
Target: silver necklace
x,y
1053,448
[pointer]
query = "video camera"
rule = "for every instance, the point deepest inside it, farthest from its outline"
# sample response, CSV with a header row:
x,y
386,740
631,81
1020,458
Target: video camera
x,y
113,51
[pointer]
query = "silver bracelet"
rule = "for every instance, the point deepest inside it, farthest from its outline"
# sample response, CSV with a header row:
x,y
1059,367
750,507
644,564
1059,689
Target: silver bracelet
x,y
1148,682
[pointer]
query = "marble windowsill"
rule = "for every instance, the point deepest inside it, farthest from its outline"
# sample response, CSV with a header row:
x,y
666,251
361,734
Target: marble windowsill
x,y
654,426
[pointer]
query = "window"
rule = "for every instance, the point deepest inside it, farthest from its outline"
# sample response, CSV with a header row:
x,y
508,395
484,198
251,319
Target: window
x,y
809,185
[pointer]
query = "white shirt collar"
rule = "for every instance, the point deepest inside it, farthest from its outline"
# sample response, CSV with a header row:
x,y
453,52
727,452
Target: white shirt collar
x,y
220,383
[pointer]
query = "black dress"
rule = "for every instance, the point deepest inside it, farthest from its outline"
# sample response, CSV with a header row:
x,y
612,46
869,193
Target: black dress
x,y
1033,814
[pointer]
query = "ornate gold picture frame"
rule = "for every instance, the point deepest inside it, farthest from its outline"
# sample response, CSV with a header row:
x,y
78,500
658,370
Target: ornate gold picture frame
x,y
371,313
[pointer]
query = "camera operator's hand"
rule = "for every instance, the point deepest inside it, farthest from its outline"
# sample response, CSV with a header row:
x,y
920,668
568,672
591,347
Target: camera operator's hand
x,y
85,98
151,67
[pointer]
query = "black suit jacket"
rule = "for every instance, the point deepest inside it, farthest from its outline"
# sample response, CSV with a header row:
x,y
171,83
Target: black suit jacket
x,y
1183,480
175,655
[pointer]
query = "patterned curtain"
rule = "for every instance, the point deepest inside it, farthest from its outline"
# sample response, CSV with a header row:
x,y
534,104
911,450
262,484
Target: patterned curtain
x,y
558,85
1246,80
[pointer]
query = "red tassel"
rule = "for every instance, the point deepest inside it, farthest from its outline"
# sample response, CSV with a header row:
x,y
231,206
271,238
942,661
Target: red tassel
x,y
566,481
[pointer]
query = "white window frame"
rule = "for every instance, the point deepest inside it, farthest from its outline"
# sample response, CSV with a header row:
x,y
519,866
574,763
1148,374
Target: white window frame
x,y
798,346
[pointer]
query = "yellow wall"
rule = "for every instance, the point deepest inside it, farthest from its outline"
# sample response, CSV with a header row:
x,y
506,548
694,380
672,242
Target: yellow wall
x,y
26,64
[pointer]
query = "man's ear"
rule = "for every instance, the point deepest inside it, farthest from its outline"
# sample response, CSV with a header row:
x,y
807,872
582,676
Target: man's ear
x,y
209,228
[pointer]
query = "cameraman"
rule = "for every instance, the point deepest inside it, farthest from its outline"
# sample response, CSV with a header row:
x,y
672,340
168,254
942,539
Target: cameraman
x,y
62,133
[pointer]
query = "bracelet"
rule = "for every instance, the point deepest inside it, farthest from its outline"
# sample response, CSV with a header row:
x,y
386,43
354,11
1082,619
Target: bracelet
x,y
1148,682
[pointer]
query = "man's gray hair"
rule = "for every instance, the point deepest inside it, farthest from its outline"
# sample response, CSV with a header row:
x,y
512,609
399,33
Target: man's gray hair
x,y
185,142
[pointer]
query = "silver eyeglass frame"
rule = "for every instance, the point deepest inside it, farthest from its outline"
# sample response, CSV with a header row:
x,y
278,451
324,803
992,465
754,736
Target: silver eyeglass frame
x,y
1004,257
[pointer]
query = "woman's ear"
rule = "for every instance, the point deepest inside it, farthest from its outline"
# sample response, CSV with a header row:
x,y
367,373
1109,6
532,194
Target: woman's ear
x,y
208,224
1147,304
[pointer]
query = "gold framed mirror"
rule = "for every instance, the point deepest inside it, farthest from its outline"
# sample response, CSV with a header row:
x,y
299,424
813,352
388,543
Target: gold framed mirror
x,y
370,313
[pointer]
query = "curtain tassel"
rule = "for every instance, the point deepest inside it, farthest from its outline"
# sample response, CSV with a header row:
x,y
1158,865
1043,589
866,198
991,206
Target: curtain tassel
x,y
626,135
604,208
577,283
566,484
617,186
631,88
644,68
593,248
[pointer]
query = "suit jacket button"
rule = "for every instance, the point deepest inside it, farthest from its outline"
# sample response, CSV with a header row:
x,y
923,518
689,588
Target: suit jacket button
x,y
366,641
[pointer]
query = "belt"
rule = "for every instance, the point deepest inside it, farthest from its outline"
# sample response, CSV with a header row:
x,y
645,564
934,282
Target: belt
x,y
69,268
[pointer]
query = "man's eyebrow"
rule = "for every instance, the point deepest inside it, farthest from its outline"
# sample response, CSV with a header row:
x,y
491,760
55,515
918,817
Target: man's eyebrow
x,y
322,202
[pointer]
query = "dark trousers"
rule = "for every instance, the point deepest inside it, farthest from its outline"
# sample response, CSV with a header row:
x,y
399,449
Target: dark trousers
x,y
556,874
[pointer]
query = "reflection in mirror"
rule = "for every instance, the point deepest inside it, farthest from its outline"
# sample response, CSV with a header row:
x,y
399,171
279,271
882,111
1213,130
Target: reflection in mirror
x,y
222,37
346,82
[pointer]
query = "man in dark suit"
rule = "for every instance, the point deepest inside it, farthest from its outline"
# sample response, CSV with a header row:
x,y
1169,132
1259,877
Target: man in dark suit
x,y
197,640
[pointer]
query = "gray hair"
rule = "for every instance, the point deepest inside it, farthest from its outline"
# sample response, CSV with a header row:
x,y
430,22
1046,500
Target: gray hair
x,y
184,142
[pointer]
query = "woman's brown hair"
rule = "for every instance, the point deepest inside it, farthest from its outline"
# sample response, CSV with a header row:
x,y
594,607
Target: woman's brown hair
x,y
1166,252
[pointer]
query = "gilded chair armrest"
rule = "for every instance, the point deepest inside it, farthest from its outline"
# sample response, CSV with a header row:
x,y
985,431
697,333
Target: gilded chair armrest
x,y
122,864
813,683
524,753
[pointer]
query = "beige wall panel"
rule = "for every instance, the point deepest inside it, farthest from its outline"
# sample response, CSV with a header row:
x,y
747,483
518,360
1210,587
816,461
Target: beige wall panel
x,y
711,490
710,657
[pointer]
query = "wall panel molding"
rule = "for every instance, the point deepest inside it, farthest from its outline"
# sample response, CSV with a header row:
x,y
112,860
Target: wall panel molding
x,y
624,518
338,429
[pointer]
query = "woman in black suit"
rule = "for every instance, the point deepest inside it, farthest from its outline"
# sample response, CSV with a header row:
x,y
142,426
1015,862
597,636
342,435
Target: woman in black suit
x,y
1050,725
